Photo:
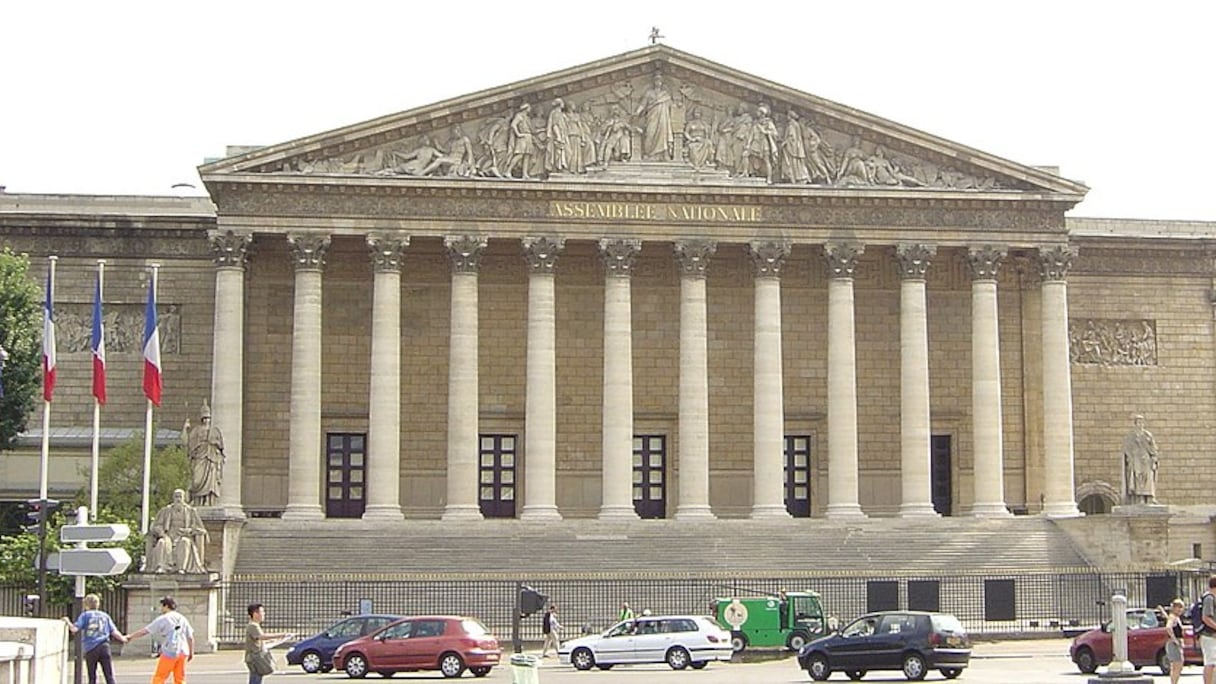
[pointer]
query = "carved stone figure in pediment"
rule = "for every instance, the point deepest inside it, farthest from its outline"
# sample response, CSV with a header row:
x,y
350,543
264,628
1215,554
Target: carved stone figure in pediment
x,y
793,151
698,146
853,169
581,133
658,135
521,144
617,137
557,133
819,156
760,151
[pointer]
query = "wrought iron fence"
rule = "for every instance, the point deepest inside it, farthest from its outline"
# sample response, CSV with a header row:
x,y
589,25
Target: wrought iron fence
x,y
14,601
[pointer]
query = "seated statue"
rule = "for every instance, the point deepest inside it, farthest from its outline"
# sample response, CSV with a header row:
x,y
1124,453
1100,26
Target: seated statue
x,y
176,539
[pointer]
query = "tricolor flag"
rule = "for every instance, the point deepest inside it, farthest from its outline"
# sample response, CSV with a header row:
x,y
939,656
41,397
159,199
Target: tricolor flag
x,y
48,340
99,347
151,348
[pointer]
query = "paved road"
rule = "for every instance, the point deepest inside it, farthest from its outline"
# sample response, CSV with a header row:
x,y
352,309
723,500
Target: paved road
x,y
1022,662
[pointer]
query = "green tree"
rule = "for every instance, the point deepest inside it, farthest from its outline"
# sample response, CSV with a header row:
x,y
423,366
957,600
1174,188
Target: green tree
x,y
21,337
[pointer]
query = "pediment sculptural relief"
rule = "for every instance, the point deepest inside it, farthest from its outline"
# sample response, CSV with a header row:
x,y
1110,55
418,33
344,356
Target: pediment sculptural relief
x,y
640,126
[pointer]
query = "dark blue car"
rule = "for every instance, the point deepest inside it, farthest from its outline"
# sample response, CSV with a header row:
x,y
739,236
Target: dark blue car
x,y
316,653
912,641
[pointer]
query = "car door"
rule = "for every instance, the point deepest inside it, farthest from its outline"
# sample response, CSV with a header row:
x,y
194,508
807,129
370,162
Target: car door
x,y
850,649
887,643
617,644
338,634
421,650
1144,641
651,640
388,647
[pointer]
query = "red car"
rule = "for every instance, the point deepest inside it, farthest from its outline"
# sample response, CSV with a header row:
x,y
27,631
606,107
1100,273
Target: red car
x,y
1146,637
448,643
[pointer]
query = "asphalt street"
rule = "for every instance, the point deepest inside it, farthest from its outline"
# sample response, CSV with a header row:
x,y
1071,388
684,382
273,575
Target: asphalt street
x,y
1040,661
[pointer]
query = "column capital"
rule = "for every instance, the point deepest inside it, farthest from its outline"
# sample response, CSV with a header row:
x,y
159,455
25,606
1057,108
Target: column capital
x,y
230,249
308,250
984,261
914,260
619,255
386,251
1054,261
464,252
768,256
841,258
692,256
541,253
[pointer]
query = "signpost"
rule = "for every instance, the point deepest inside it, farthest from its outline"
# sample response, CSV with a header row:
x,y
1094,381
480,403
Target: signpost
x,y
84,562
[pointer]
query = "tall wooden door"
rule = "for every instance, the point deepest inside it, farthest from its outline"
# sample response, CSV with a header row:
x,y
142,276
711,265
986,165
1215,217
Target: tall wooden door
x,y
650,476
496,476
798,475
345,468
941,478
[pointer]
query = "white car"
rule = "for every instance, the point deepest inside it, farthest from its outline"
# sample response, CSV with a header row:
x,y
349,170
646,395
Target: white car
x,y
678,640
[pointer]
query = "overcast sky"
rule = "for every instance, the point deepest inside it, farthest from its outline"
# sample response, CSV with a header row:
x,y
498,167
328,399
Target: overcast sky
x,y
129,97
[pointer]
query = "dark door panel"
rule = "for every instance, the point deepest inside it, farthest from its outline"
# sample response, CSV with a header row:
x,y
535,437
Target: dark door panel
x,y
798,475
650,476
496,480
345,468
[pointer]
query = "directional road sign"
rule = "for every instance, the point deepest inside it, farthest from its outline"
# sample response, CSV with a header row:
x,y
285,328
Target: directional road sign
x,y
94,533
93,561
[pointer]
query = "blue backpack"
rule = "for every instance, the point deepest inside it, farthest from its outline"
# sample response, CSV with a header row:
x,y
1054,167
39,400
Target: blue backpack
x,y
1198,626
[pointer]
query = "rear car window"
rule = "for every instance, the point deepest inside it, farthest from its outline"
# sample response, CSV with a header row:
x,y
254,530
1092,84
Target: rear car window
x,y
474,628
947,623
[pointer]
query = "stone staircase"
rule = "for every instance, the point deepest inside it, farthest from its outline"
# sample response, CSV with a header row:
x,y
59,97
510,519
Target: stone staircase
x,y
589,548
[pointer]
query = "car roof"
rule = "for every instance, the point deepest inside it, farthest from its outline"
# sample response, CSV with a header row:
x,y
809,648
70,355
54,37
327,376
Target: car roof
x,y
669,617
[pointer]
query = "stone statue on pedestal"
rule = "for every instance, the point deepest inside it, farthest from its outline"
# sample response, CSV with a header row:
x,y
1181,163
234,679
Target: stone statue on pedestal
x,y
1139,465
175,539
205,450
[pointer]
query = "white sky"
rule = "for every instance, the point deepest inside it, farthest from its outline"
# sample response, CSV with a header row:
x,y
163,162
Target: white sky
x,y
121,97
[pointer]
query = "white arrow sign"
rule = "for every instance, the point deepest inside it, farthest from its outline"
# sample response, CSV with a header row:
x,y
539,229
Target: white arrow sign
x,y
93,561
94,533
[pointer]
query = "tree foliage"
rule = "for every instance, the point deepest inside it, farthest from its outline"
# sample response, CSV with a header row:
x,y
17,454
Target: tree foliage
x,y
21,337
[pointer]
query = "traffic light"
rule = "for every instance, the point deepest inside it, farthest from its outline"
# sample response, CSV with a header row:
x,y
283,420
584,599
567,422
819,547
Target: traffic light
x,y
531,601
37,512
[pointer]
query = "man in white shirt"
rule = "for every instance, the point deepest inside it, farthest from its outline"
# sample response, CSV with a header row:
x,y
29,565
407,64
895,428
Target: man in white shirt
x,y
176,638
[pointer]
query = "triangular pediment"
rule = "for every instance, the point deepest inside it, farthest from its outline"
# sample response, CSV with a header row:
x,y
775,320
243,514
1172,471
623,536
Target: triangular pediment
x,y
651,116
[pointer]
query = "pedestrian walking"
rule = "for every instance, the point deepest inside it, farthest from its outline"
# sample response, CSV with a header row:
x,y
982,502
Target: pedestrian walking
x,y
257,651
550,627
173,632
98,629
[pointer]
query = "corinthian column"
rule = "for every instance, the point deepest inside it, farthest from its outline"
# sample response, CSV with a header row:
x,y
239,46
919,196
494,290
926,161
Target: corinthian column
x,y
230,253
619,256
304,466
692,257
768,412
464,253
989,471
384,414
843,499
540,409
915,457
1060,499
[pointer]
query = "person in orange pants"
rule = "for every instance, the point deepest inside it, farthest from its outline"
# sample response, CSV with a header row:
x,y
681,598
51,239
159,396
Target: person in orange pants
x,y
173,632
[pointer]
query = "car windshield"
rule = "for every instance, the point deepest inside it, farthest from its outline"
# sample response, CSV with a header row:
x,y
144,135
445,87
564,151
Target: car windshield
x,y
861,627
474,628
947,623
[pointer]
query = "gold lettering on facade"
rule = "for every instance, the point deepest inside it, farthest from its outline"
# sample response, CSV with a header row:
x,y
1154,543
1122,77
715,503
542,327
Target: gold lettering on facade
x,y
699,213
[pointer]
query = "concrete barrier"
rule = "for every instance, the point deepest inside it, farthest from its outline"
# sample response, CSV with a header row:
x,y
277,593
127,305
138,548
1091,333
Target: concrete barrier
x,y
33,651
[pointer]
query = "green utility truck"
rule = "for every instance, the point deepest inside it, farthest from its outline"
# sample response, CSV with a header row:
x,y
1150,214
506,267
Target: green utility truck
x,y
789,619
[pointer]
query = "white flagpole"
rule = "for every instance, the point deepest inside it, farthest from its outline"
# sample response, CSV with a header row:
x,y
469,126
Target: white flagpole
x,y
101,275
143,521
45,460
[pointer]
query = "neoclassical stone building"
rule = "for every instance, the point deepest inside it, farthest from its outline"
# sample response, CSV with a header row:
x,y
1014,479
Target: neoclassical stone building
x,y
650,286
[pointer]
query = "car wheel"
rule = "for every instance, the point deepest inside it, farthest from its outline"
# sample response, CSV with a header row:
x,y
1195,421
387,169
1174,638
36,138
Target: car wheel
x,y
678,658
818,667
451,665
604,667
310,662
698,664
914,667
356,666
479,671
1086,662
582,659
856,674
951,672
386,673
796,641
1163,663
738,642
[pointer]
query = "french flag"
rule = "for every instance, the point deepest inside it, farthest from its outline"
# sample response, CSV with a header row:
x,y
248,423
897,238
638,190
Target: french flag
x,y
48,340
152,384
99,348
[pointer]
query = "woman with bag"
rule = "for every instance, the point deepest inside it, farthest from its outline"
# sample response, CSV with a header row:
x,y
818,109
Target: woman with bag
x,y
257,653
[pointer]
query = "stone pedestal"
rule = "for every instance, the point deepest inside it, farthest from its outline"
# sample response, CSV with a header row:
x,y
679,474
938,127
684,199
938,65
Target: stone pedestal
x,y
1132,677
197,599
223,539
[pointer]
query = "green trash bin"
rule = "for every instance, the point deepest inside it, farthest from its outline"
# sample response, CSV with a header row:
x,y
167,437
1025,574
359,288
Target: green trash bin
x,y
525,669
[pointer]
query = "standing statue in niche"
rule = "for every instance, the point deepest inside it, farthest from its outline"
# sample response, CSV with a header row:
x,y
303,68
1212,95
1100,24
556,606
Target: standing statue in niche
x,y
1139,464
658,136
176,539
205,450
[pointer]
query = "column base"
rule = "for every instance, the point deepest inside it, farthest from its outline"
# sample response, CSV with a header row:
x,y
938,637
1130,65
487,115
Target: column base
x,y
770,512
846,511
383,512
918,510
617,513
695,512
1063,509
462,513
303,512
540,513
990,510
